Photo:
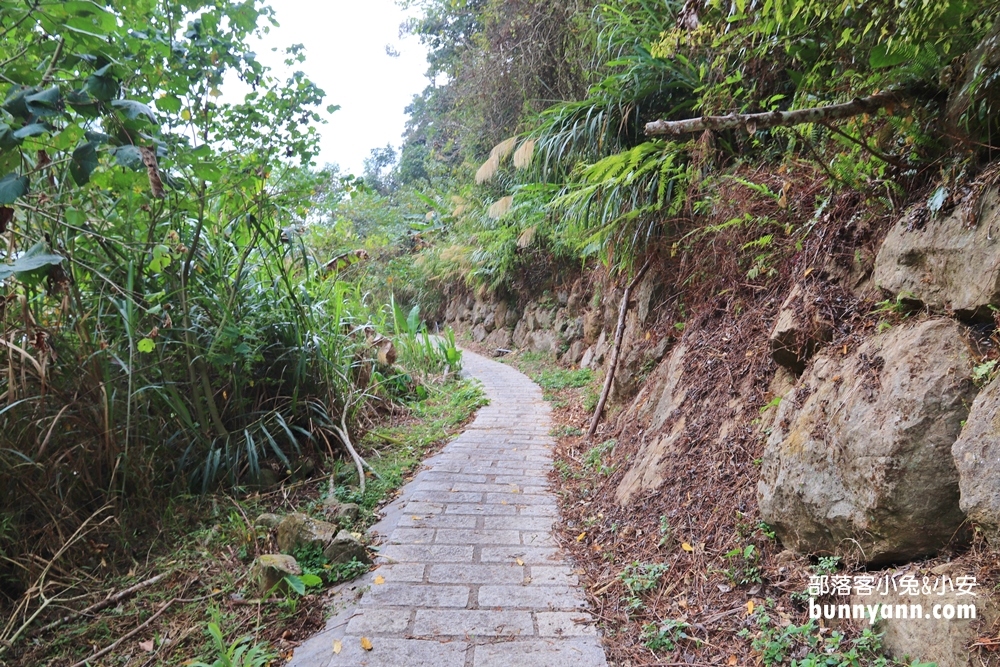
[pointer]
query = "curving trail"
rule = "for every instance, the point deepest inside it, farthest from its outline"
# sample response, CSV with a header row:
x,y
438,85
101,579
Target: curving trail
x,y
472,574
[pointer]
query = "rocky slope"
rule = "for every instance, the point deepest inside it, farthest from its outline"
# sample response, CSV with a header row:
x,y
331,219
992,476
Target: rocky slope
x,y
848,403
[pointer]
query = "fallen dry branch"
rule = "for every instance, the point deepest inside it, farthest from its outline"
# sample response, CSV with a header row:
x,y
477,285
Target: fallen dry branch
x,y
613,364
758,121
111,647
8,635
106,602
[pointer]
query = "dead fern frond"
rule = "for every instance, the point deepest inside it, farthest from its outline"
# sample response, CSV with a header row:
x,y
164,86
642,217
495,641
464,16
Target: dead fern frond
x,y
524,153
503,149
487,170
500,207
527,237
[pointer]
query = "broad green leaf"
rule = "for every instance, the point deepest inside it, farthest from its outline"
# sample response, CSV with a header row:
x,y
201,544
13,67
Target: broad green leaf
x,y
128,156
7,138
169,103
32,130
296,583
12,186
95,14
102,87
413,320
311,580
146,345
32,266
44,103
15,103
75,217
84,162
68,138
97,137
83,103
161,258
132,110
206,171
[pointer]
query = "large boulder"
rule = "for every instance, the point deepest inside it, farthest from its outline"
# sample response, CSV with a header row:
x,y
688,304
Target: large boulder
x,y
948,264
860,454
299,530
543,340
977,455
941,641
801,328
499,339
270,570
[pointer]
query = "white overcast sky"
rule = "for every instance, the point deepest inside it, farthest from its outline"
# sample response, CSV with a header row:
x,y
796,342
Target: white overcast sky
x,y
345,46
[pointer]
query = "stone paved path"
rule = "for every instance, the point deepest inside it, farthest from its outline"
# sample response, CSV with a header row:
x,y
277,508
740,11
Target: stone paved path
x,y
472,575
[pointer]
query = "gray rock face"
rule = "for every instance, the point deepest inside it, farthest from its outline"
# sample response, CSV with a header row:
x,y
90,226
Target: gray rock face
x,y
574,353
944,642
946,264
269,570
801,328
268,520
592,322
860,455
340,512
542,340
977,455
339,546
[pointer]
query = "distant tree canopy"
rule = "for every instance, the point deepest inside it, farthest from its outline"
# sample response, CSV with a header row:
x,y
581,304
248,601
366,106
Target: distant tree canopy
x,y
551,104
498,63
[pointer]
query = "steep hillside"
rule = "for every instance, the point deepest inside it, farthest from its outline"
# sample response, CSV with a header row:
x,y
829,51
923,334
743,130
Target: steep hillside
x,y
827,423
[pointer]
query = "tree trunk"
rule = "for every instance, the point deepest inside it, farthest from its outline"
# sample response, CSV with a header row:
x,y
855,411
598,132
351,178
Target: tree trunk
x,y
758,121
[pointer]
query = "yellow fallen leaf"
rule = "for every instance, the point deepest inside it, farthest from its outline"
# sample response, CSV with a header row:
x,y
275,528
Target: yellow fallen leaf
x,y
380,580
337,646
366,644
415,517
749,607
687,547
519,561
808,271
649,334
579,538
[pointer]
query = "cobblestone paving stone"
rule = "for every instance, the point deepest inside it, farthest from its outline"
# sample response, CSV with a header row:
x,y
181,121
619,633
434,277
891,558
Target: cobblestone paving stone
x,y
471,575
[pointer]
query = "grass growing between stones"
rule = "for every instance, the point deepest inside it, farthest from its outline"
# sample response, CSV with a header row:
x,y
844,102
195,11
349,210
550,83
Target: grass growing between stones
x,y
197,559
396,448
564,388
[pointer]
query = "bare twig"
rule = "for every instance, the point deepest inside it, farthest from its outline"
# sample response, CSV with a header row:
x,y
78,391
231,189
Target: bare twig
x,y
39,585
613,364
106,602
108,649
